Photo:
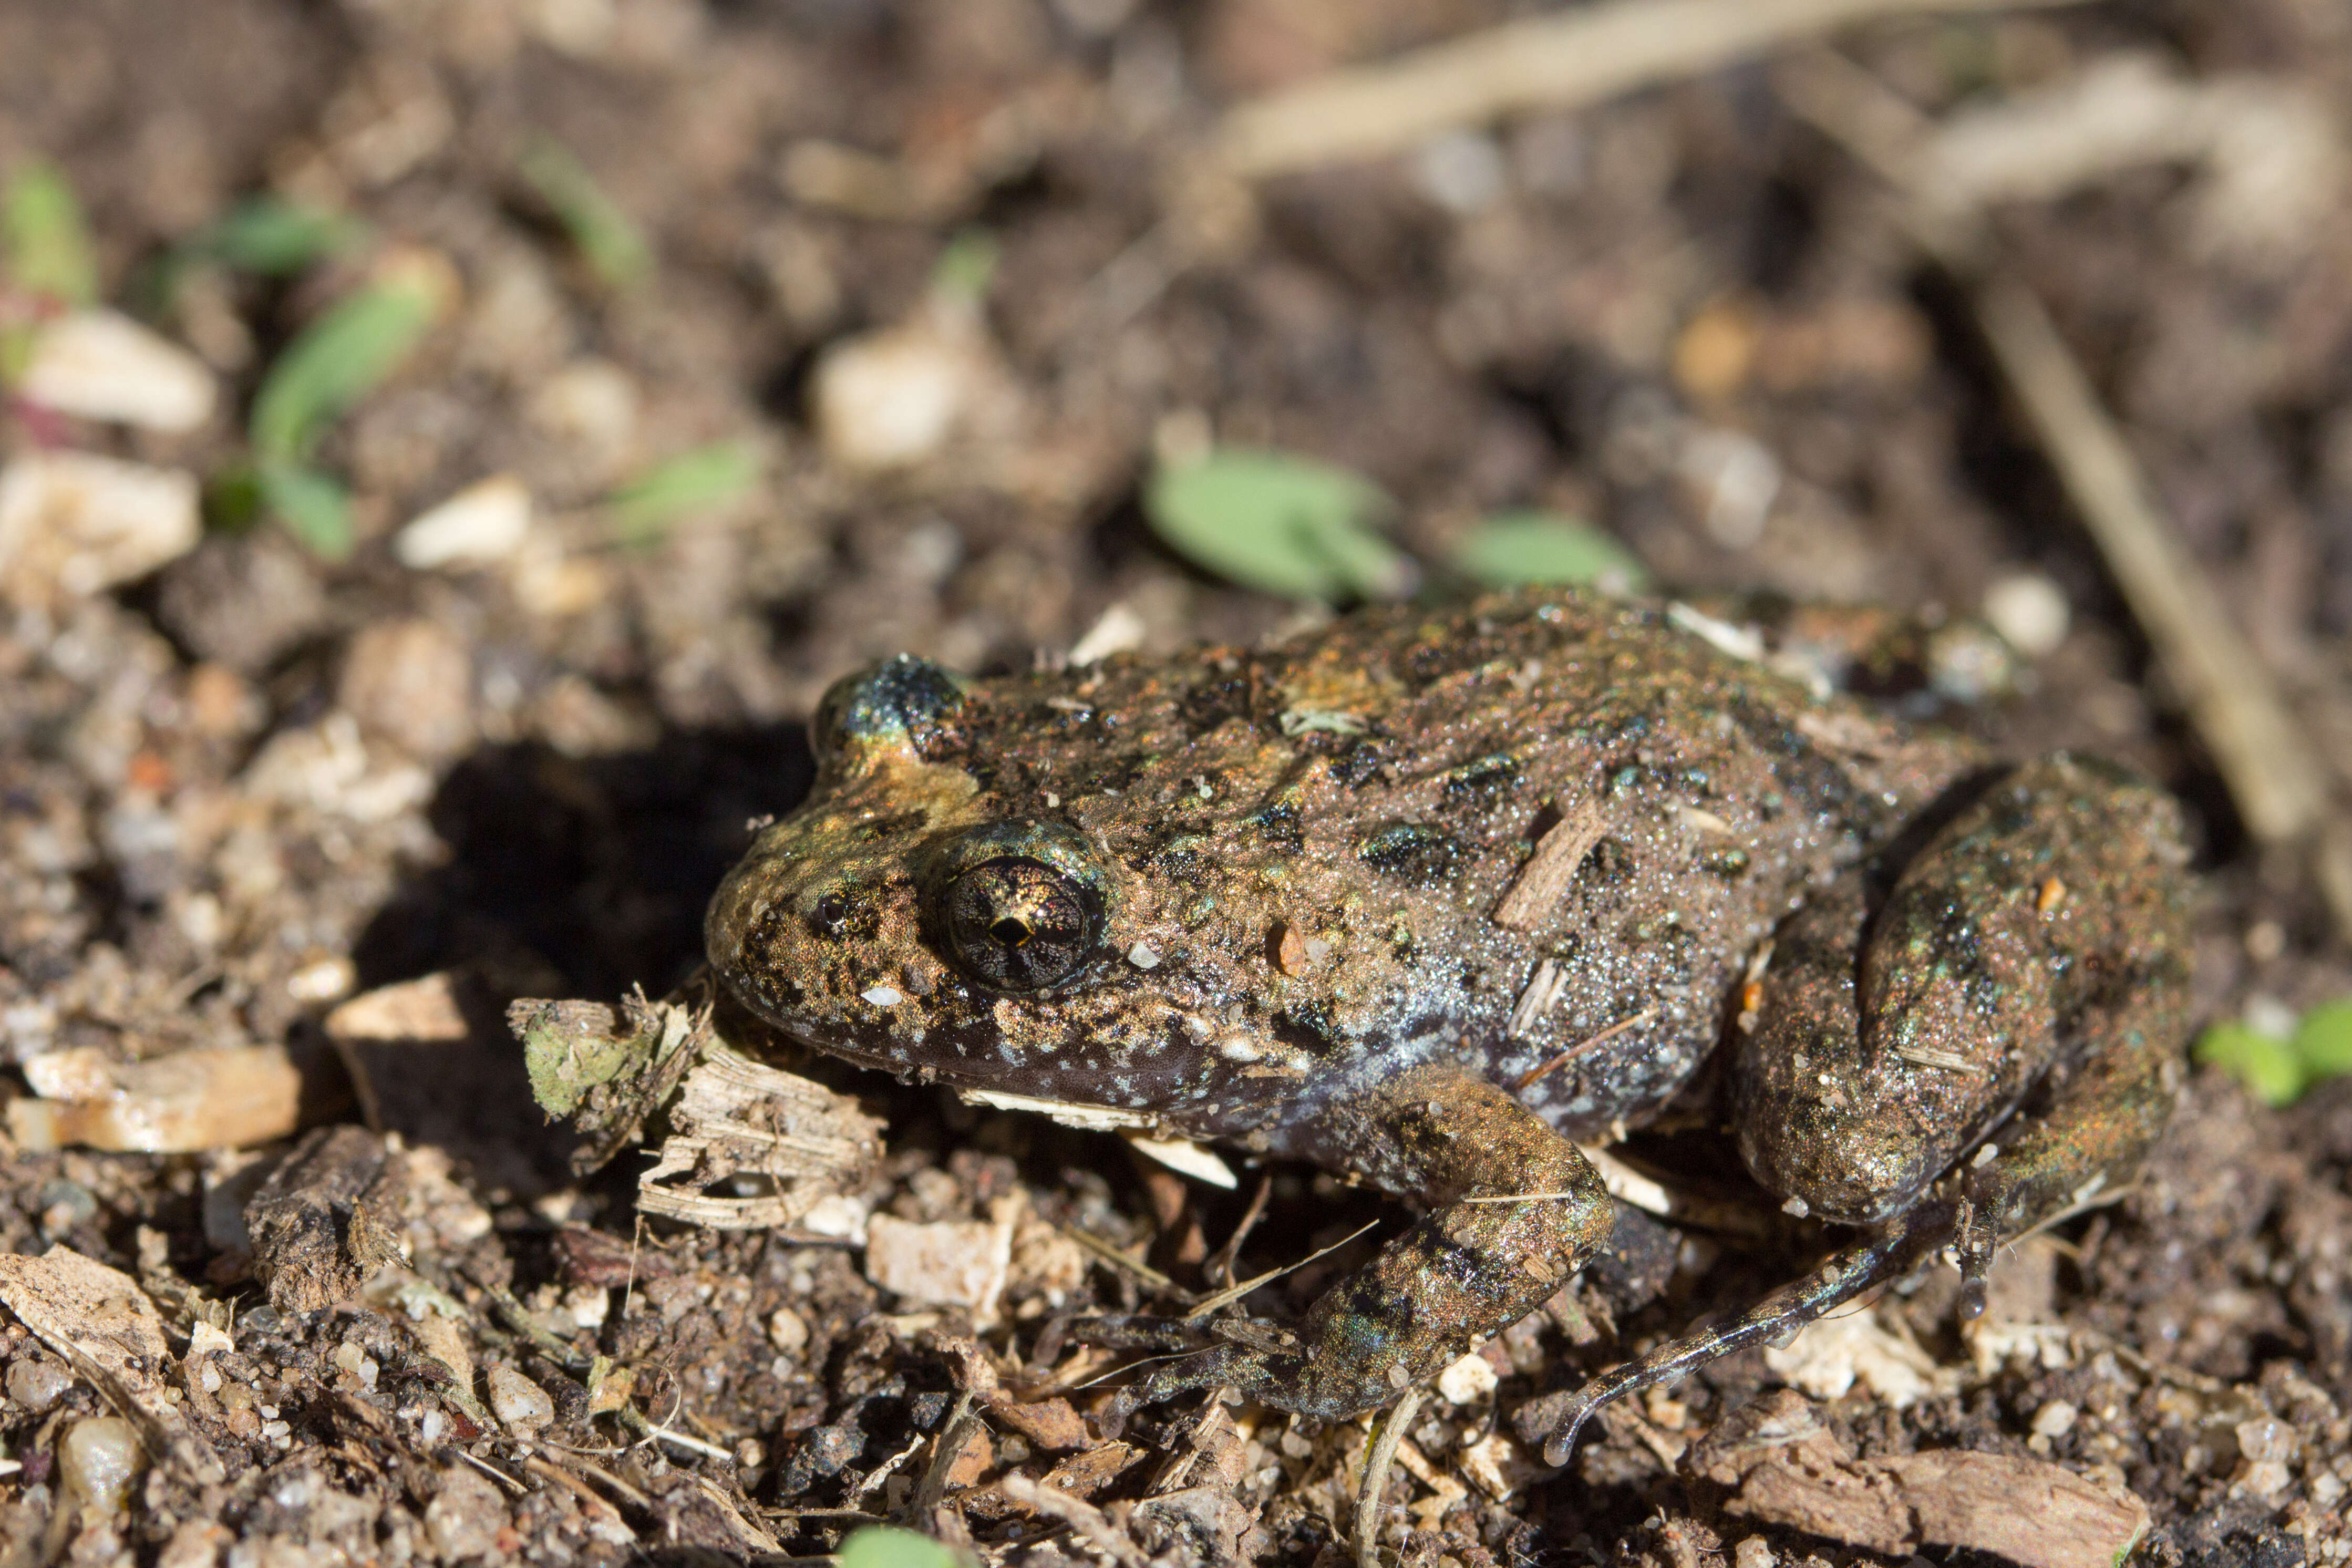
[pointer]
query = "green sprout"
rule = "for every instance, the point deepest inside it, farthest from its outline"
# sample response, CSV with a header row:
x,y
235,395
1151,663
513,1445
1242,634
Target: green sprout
x,y
273,237
700,479
605,236
331,365
883,1546
1278,523
2278,1070
45,249
1516,548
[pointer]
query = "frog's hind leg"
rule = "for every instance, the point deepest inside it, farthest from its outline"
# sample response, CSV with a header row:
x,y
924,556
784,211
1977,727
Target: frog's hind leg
x,y
2020,991
2034,953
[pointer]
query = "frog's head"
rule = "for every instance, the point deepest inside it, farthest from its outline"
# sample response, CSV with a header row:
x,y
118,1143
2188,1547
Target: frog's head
x,y
902,919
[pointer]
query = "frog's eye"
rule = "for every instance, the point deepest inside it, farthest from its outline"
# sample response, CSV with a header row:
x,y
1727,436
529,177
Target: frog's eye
x,y
1018,924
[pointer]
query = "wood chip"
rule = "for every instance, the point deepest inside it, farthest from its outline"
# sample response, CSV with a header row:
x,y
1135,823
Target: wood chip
x,y
323,1224
1780,1466
1550,869
189,1101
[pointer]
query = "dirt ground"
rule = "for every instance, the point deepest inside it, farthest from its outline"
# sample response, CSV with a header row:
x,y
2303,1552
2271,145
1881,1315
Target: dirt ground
x,y
244,788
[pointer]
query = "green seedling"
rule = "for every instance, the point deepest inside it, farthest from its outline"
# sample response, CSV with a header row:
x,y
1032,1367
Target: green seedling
x,y
329,367
967,266
1280,524
883,1546
45,249
1517,547
273,237
2278,1069
606,238
702,479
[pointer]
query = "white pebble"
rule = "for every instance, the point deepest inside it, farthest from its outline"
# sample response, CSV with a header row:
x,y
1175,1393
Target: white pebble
x,y
2055,1419
78,523
1143,955
2029,612
1468,1380
2266,1437
97,1458
882,995
519,1403
960,1263
1461,171
481,523
788,1331
101,365
888,399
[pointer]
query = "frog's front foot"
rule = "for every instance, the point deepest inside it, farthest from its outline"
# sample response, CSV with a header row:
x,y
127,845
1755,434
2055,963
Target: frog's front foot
x,y
1513,1211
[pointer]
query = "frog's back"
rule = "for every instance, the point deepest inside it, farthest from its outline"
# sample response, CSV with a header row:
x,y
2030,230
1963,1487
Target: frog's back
x,y
1486,834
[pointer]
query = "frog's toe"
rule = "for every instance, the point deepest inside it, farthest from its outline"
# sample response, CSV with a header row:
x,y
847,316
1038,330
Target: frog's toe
x,y
1882,1256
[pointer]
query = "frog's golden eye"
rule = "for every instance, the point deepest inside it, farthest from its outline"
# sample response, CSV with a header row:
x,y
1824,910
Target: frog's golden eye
x,y
1015,924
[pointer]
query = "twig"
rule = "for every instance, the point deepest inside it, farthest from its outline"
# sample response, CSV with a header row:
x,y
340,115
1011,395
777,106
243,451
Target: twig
x,y
490,1470
1209,1304
1560,61
1588,1043
618,1487
1376,1476
1219,1265
953,1438
586,1494
1120,1261
2273,774
1083,1517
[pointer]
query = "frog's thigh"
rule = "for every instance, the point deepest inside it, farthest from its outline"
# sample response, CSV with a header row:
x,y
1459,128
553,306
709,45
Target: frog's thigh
x,y
1516,1210
2040,931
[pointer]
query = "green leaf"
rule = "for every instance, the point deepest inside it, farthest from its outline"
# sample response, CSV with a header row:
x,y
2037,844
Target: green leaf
x,y
313,507
1516,548
605,236
2322,1041
967,264
696,481
275,238
882,1546
2265,1063
339,359
47,246
1278,523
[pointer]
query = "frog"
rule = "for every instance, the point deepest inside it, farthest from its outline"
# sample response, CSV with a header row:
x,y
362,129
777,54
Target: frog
x,y
1446,901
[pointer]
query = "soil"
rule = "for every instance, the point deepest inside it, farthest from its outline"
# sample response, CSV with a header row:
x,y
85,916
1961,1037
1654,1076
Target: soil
x,y
256,783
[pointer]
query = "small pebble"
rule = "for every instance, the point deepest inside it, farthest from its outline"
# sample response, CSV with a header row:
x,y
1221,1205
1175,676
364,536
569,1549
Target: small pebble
x,y
1754,1552
97,1458
788,1331
482,523
960,1263
2266,1437
37,1385
2031,611
412,682
519,1403
1468,1380
101,365
2055,1419
891,398
76,523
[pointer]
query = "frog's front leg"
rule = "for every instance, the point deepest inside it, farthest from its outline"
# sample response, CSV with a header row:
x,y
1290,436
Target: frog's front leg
x,y
1515,1210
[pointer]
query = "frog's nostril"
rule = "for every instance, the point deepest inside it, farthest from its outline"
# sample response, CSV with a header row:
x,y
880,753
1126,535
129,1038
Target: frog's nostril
x,y
831,912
